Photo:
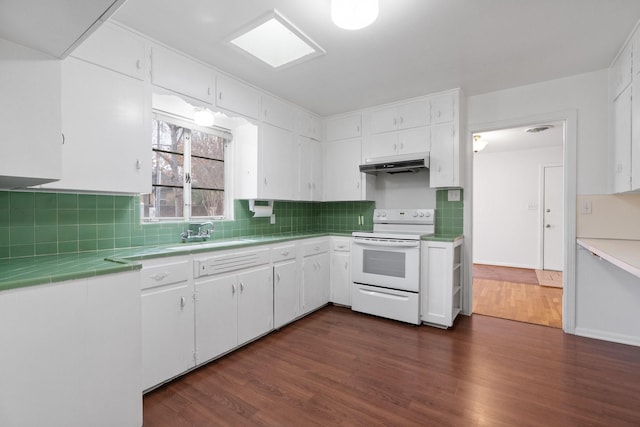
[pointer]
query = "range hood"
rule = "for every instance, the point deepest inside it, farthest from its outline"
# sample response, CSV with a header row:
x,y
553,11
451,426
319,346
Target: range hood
x,y
396,164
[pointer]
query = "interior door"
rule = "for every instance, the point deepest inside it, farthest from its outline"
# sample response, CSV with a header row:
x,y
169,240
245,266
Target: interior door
x,y
553,231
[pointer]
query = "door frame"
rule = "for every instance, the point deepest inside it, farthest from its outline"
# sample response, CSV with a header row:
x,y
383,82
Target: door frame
x,y
541,210
570,119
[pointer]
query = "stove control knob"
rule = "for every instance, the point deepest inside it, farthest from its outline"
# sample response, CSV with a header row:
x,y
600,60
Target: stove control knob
x,y
378,214
421,214
427,214
415,214
384,214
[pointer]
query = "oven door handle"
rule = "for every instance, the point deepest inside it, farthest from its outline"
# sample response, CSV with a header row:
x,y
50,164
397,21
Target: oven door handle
x,y
368,242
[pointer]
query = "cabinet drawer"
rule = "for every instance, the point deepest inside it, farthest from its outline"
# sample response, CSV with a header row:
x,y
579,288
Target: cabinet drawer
x,y
165,274
283,253
315,247
341,244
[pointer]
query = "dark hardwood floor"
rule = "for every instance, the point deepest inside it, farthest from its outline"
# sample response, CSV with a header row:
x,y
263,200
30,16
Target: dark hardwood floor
x,y
337,367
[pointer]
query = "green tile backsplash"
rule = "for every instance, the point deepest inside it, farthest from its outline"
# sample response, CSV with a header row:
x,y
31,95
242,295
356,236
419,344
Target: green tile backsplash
x,y
449,215
38,223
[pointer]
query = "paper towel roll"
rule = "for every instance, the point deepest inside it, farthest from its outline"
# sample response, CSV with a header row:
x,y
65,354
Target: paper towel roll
x,y
262,211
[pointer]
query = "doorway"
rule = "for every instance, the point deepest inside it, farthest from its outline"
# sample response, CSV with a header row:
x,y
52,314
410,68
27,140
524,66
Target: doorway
x,y
518,223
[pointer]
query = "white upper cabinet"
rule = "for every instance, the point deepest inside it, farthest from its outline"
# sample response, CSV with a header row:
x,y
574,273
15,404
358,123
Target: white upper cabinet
x,y
279,170
237,97
443,108
445,160
55,28
622,131
621,72
276,112
636,53
399,143
308,125
117,49
30,87
180,74
342,177
344,127
405,116
106,131
309,169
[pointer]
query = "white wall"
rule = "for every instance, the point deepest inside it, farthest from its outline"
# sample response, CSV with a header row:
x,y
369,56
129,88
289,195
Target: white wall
x,y
506,206
586,93
404,191
597,311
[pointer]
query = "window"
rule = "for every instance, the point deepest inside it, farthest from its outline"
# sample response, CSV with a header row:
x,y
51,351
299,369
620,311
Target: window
x,y
188,171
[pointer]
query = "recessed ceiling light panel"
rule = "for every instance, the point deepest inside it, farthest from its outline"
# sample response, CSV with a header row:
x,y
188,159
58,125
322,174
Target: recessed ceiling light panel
x,y
276,41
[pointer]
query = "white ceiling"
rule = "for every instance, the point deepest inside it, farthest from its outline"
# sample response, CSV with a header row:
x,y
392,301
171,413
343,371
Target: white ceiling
x,y
518,138
416,47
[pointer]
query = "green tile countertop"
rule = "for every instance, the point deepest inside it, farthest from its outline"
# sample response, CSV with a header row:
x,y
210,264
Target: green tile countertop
x,y
30,271
442,237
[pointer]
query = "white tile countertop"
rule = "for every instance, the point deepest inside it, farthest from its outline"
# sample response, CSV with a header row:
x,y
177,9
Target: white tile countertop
x,y
624,254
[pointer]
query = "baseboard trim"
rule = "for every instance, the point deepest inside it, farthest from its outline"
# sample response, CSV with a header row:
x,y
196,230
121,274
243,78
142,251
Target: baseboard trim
x,y
608,336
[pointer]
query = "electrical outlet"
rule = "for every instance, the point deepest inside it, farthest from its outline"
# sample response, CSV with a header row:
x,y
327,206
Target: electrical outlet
x,y
453,195
585,207
273,218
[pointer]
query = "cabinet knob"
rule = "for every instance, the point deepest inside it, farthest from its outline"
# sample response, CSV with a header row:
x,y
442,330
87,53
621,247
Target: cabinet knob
x,y
139,64
183,302
233,289
241,287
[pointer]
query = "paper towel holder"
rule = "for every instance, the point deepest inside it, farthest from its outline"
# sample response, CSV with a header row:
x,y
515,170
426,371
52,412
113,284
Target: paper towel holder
x,y
252,204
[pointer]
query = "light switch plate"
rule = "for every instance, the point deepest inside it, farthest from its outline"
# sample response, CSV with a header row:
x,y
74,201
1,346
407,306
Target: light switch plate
x,y
273,218
585,207
453,195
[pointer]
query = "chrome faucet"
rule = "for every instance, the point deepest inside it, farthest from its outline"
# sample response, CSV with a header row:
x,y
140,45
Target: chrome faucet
x,y
197,232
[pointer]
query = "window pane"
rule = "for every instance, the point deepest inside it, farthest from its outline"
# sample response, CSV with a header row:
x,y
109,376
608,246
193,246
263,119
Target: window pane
x,y
167,169
207,145
207,173
168,202
168,137
207,203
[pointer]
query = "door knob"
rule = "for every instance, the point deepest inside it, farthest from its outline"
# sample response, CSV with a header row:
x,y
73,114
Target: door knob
x,y
548,210
548,225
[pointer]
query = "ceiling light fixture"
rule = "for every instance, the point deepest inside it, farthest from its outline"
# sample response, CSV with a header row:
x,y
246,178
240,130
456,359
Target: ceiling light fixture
x,y
276,41
354,14
203,117
479,144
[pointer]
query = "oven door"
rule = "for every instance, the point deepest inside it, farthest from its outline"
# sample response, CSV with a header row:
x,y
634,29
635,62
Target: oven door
x,y
388,263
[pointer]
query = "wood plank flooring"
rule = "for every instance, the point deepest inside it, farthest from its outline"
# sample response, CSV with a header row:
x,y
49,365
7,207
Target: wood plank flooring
x,y
338,367
499,292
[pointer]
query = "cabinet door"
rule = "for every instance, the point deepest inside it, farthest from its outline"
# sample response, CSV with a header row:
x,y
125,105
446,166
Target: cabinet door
x,y
341,278
216,319
112,356
416,140
167,333
309,169
106,134
384,120
622,141
441,169
442,108
237,97
279,170
344,128
255,303
621,72
383,145
635,133
342,177
437,264
30,87
414,114
115,48
286,293
276,112
315,281
178,73
41,330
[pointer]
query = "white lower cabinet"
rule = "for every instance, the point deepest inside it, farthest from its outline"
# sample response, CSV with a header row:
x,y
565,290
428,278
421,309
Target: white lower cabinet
x,y
341,271
232,310
71,353
441,282
286,284
315,274
167,321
